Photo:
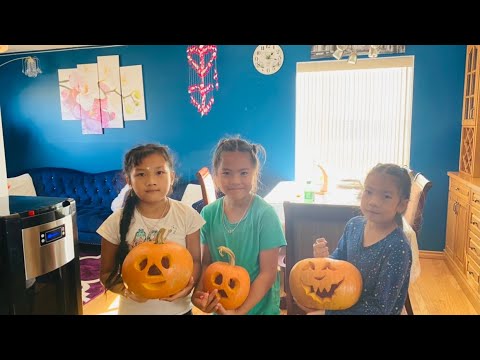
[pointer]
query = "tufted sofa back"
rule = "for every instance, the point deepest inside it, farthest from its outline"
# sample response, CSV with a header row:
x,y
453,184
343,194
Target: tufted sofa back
x,y
88,189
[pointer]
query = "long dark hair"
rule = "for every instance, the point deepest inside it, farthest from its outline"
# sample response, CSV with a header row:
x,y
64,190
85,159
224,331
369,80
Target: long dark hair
x,y
132,159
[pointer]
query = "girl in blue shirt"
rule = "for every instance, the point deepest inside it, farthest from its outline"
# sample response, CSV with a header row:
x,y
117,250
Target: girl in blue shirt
x,y
376,244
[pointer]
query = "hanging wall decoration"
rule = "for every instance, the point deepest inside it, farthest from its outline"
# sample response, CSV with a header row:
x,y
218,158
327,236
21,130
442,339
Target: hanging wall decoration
x,y
110,91
203,76
132,92
102,95
68,81
89,99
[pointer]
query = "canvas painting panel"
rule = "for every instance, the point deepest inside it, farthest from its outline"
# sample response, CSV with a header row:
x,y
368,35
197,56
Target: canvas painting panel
x,y
110,91
68,86
132,93
89,99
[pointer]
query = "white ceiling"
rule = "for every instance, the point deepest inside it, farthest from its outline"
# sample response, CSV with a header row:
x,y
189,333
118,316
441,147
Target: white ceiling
x,y
30,48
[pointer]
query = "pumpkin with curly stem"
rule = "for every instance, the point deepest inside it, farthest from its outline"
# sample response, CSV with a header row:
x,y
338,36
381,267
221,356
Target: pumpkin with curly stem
x,y
159,269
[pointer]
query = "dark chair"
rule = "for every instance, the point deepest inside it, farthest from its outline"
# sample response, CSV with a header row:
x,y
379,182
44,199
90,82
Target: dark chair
x,y
303,224
208,187
414,213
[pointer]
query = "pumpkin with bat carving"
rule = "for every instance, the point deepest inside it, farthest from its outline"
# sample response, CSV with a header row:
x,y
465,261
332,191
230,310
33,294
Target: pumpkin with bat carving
x,y
325,283
231,281
155,270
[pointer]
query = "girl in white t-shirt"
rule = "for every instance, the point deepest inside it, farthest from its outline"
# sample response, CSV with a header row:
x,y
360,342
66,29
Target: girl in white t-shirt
x,y
147,209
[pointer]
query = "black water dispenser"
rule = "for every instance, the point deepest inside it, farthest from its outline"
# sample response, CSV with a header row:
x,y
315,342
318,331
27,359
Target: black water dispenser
x,y
39,256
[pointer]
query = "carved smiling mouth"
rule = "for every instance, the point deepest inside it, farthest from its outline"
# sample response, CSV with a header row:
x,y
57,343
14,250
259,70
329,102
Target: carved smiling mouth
x,y
323,294
154,286
154,273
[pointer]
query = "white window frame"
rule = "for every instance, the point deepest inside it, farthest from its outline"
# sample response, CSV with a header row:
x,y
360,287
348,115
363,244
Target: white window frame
x,y
313,85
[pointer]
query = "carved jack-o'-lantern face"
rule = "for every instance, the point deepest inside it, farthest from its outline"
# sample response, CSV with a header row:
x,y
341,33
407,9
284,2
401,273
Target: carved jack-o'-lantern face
x,y
156,271
324,283
232,282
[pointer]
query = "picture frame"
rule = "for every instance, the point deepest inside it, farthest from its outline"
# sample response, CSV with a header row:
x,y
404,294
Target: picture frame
x,y
326,51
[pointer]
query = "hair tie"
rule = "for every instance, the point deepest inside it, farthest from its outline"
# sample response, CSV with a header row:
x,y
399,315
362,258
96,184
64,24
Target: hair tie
x,y
254,149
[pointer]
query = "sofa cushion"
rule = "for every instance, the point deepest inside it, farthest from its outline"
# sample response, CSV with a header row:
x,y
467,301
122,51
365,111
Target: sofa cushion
x,y
96,190
89,219
192,194
117,203
92,192
21,185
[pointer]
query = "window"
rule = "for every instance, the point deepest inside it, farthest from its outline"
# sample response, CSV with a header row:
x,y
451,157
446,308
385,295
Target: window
x,y
351,117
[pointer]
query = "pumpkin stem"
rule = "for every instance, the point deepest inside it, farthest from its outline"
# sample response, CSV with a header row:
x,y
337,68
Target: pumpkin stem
x,y
161,236
224,249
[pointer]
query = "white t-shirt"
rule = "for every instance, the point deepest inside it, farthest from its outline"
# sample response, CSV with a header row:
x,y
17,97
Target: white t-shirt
x,y
182,220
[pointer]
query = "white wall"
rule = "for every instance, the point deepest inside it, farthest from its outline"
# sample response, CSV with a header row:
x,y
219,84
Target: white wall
x,y
3,165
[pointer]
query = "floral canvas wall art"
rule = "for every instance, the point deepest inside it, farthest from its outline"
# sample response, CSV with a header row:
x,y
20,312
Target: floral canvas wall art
x,y
89,99
110,91
102,95
132,93
68,83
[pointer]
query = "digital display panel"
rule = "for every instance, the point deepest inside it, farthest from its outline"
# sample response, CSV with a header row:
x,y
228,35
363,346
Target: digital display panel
x,y
48,236
53,234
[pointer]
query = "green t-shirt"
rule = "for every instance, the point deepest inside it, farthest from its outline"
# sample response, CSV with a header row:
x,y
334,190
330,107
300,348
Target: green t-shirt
x,y
260,230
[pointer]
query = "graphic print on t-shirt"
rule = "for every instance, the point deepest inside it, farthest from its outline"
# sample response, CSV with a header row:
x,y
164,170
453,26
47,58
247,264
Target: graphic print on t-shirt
x,y
141,237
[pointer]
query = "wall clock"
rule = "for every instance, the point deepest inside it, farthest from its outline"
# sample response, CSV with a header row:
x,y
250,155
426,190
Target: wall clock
x,y
268,59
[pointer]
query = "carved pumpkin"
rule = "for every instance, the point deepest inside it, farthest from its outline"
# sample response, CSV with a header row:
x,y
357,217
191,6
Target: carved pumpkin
x,y
157,269
231,281
324,283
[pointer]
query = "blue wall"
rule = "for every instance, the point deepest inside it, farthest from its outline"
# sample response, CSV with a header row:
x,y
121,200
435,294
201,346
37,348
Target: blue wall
x,y
260,108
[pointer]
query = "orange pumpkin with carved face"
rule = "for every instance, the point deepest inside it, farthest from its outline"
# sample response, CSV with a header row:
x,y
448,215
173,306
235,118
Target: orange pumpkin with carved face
x,y
231,281
324,283
157,270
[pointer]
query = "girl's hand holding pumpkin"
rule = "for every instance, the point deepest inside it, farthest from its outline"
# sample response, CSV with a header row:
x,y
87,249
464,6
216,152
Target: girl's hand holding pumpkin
x,y
221,311
130,295
320,248
309,311
206,302
181,293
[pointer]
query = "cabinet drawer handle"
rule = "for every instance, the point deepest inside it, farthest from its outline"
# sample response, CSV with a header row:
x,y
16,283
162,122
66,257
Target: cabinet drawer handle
x,y
474,223
457,188
476,200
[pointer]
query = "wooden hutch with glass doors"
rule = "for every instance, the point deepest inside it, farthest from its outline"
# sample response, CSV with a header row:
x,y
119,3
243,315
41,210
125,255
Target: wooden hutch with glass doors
x,y
462,245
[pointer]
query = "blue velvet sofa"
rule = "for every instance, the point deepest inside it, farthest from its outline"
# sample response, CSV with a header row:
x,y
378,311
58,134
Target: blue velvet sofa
x,y
93,193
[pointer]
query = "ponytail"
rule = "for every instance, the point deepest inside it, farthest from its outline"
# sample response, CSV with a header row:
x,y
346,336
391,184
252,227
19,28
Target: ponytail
x,y
115,276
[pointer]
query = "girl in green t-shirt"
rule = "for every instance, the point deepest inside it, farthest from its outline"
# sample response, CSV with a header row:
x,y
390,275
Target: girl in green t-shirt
x,y
243,222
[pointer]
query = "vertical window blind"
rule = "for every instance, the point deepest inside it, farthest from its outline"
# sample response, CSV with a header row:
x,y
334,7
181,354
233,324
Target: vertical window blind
x,y
351,117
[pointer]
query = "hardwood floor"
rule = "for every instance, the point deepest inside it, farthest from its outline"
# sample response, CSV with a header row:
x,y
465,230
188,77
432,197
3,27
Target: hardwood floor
x,y
106,304
436,292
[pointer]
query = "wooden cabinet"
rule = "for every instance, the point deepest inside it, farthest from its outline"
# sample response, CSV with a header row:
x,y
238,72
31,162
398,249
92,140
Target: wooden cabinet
x,y
469,151
470,143
457,218
461,234
451,226
462,238
470,94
